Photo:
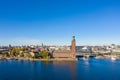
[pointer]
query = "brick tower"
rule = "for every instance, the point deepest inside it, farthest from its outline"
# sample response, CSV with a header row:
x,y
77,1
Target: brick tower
x,y
73,46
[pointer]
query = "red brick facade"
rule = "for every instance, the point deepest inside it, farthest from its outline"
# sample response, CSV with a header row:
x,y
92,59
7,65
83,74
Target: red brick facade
x,y
73,47
67,55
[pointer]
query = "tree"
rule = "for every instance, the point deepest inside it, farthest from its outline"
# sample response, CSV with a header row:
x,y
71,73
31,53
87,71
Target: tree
x,y
44,54
14,52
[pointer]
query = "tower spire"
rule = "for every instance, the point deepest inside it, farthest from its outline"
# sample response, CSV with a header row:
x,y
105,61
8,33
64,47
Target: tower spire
x,y
73,44
73,38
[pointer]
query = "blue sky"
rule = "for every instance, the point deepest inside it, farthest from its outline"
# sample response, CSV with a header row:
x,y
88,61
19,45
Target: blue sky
x,y
53,22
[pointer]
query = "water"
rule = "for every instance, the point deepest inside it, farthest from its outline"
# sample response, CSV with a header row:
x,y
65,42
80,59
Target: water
x,y
91,69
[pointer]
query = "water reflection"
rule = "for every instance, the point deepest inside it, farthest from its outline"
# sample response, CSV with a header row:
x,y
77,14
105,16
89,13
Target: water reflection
x,y
91,69
62,70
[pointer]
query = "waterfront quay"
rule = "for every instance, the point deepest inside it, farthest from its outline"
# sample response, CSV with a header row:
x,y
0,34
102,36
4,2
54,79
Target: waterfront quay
x,y
78,55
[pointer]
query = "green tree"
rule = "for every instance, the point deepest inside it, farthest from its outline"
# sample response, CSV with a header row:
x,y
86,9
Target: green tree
x,y
37,56
14,52
44,54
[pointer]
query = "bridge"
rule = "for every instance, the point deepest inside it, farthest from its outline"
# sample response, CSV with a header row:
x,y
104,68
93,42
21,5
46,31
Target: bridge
x,y
85,55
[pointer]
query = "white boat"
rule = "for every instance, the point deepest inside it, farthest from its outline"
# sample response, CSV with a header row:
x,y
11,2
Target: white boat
x,y
113,58
97,57
84,58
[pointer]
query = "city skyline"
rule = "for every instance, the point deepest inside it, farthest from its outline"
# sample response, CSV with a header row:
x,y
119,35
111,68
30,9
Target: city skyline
x,y
53,22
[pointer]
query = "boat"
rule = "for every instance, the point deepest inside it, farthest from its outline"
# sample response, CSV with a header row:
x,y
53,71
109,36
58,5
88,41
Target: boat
x,y
85,58
98,57
3,59
113,57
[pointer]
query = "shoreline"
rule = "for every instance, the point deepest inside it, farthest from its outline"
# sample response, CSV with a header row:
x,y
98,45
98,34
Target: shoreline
x,y
58,59
33,59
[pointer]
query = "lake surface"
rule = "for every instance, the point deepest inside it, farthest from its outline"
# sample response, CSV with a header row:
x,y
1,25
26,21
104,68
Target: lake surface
x,y
92,69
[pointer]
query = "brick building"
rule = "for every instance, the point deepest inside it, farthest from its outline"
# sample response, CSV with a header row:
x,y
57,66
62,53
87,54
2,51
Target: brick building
x,y
70,54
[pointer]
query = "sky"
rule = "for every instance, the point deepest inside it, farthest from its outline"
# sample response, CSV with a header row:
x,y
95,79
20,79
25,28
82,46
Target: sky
x,y
53,22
